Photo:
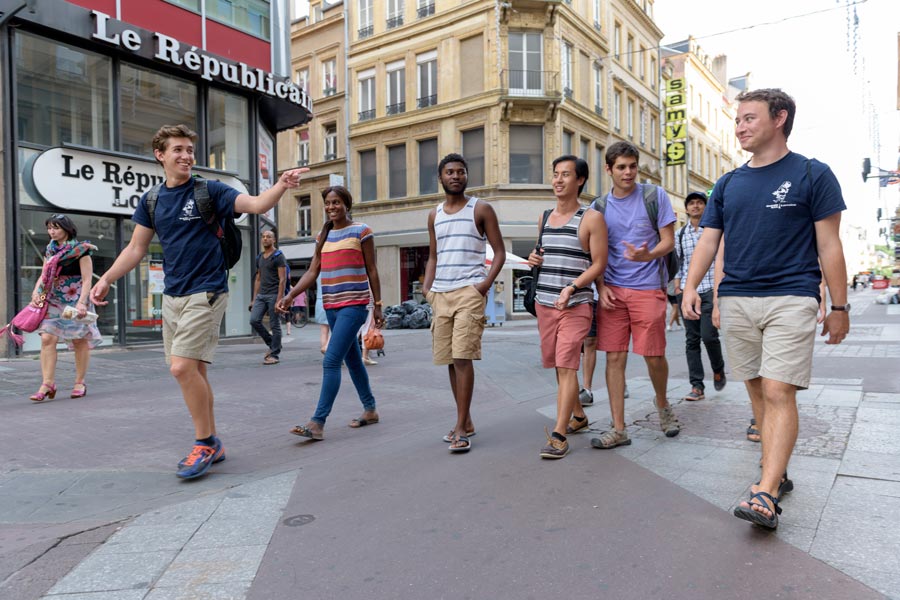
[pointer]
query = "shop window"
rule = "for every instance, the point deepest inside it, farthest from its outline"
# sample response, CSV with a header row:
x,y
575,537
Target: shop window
x,y
250,16
428,163
63,95
526,154
229,133
150,100
32,241
473,152
412,272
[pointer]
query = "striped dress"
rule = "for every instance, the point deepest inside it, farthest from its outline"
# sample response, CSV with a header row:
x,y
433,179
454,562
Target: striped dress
x,y
460,249
343,267
564,260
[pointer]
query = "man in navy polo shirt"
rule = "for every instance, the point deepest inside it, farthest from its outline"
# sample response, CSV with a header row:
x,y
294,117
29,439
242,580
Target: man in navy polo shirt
x,y
780,215
196,293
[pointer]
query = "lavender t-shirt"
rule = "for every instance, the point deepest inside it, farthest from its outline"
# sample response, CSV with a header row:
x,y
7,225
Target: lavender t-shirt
x,y
627,221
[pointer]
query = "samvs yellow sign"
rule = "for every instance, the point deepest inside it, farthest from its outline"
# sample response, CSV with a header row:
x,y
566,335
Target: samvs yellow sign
x,y
676,123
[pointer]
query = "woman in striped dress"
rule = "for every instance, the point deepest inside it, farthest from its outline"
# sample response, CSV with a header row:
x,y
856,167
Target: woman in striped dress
x,y
345,257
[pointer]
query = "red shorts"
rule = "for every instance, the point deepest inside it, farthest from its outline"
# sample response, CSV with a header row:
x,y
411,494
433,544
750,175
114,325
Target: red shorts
x,y
562,333
638,314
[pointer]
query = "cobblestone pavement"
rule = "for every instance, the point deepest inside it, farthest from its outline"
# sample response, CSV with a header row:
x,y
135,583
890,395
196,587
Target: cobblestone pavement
x,y
90,509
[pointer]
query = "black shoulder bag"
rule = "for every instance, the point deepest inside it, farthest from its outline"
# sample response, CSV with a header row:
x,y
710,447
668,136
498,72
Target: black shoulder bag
x,y
531,291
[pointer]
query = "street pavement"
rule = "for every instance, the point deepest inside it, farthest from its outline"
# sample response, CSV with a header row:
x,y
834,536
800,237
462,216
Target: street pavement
x,y
90,508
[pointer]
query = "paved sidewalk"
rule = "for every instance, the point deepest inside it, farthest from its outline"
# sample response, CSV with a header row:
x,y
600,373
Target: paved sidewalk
x,y
90,508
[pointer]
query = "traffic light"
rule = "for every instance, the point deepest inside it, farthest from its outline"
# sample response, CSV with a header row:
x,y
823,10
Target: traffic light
x,y
866,168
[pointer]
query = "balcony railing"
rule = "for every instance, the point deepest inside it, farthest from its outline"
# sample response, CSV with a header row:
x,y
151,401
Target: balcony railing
x,y
302,162
536,84
396,109
365,115
598,109
567,92
425,11
394,22
331,156
329,91
426,101
365,32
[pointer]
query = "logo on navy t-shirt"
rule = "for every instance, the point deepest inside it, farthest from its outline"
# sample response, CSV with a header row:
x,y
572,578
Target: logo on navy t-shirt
x,y
781,196
188,213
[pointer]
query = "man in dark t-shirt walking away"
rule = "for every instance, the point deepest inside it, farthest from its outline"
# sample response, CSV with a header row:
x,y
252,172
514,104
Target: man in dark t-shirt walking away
x,y
268,289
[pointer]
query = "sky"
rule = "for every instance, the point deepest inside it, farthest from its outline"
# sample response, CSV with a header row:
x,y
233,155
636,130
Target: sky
x,y
840,113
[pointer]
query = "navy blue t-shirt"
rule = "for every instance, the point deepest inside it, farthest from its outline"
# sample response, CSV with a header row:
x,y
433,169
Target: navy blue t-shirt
x,y
192,255
768,215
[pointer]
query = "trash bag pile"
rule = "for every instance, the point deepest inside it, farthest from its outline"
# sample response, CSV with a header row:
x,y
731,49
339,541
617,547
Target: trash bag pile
x,y
408,315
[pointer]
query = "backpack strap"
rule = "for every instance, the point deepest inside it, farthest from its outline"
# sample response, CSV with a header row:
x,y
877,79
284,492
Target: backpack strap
x,y
651,203
152,197
206,207
599,204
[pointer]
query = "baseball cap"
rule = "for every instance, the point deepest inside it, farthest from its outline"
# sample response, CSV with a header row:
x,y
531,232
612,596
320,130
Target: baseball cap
x,y
697,195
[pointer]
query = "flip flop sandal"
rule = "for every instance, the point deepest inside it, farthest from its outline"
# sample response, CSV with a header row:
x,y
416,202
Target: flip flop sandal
x,y
460,449
303,431
361,422
449,437
757,518
270,360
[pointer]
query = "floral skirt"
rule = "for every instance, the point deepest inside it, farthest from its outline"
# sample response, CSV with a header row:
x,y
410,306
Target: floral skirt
x,y
66,292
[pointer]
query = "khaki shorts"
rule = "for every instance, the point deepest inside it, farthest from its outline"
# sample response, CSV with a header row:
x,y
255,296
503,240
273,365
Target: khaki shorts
x,y
457,324
191,325
771,337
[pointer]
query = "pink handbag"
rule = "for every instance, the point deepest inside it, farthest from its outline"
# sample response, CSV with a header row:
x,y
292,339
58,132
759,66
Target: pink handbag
x,y
29,318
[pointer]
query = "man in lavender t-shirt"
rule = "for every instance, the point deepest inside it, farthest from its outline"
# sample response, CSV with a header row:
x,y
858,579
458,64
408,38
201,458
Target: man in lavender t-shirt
x,y
632,304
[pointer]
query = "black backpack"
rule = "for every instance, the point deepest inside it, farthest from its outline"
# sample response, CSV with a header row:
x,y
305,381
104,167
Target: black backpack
x,y
229,236
651,203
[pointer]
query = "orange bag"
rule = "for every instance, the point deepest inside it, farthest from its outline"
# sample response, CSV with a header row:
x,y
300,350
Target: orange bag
x,y
373,340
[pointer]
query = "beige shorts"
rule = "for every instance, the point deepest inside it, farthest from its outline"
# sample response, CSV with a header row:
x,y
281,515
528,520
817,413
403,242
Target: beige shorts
x,y
191,325
457,324
771,337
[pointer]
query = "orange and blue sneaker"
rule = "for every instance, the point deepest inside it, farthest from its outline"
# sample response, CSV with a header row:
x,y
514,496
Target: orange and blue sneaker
x,y
199,461
219,457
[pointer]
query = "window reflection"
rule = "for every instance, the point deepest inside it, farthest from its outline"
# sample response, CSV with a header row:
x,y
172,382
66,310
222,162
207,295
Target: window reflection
x,y
150,100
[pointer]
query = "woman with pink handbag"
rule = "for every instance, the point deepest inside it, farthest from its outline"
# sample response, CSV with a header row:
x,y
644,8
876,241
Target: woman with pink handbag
x,y
66,280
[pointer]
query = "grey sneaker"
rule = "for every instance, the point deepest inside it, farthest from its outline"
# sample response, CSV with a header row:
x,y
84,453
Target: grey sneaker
x,y
554,448
668,422
586,397
694,395
611,439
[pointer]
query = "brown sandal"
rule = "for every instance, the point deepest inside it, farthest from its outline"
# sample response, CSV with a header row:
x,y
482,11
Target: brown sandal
x,y
362,421
304,431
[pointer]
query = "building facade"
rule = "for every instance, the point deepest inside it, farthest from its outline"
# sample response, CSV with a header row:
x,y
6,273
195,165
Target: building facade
x,y
86,84
510,85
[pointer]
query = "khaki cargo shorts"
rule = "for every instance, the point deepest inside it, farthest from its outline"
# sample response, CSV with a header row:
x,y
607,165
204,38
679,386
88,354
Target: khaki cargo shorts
x,y
771,337
191,324
457,324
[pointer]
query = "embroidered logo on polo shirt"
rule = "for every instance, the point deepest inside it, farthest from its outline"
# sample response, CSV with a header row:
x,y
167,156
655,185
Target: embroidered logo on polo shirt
x,y
781,196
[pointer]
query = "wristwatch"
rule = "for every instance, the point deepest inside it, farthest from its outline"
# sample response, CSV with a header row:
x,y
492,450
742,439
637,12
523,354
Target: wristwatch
x,y
845,307
573,286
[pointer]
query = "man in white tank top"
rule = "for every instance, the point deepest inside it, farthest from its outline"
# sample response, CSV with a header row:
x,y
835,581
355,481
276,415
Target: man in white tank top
x,y
456,285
